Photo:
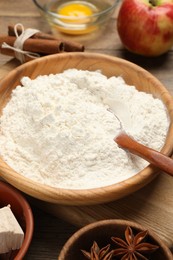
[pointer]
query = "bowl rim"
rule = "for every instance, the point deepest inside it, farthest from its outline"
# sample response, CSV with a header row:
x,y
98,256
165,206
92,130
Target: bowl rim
x,y
58,16
27,212
95,195
106,222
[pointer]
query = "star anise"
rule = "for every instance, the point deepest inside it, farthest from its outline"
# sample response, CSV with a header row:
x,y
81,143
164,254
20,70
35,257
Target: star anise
x,y
133,248
98,254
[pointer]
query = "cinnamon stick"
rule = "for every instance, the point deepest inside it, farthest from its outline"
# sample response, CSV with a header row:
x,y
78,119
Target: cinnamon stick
x,y
36,45
69,46
11,53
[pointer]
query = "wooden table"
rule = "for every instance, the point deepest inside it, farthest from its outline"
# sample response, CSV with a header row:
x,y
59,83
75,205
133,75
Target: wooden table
x,y
152,205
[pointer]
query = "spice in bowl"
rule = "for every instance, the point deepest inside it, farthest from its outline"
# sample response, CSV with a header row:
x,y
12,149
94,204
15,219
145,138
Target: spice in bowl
x,y
114,239
132,247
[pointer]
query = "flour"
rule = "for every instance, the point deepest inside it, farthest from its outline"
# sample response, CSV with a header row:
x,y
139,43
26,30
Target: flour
x,y
58,129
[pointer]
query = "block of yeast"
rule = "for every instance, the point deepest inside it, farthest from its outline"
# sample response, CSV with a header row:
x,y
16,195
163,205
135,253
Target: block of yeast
x,y
11,234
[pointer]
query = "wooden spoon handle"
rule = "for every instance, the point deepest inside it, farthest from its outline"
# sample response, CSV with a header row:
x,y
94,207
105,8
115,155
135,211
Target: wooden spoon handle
x,y
158,159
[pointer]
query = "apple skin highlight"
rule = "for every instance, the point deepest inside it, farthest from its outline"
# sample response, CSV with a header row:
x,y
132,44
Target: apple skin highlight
x,y
146,29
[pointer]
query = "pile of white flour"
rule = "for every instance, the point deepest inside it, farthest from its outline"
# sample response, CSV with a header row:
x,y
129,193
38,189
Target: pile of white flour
x,y
59,129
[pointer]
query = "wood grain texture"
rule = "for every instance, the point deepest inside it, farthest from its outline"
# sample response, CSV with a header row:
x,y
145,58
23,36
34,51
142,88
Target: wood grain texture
x,y
151,206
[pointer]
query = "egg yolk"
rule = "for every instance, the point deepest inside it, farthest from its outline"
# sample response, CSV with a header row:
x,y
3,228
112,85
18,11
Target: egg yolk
x,y
78,16
75,10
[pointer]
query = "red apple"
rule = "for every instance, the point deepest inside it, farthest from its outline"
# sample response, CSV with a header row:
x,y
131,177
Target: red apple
x,y
145,27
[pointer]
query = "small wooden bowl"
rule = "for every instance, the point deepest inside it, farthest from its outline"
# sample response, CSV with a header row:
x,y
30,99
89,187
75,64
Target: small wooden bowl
x,y
101,232
133,75
23,214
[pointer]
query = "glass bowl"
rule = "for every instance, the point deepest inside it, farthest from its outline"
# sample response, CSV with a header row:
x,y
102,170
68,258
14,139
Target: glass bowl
x,y
76,17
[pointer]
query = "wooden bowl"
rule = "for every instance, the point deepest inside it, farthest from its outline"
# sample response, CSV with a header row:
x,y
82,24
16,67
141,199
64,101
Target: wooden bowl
x,y
101,232
23,214
133,75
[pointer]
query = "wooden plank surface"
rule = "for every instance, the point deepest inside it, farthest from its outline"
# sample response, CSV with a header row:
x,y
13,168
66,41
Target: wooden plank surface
x,y
152,205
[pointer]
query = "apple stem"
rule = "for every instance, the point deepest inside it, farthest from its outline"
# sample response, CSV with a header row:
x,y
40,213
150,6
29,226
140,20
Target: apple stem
x,y
153,2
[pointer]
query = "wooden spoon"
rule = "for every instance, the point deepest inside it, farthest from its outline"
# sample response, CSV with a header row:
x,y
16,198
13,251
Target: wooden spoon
x,y
120,111
154,157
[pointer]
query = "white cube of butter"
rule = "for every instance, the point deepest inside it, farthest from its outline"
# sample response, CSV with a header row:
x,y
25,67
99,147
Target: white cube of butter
x,y
11,234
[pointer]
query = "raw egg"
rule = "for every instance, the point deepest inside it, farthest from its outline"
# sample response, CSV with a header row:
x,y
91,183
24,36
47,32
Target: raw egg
x,y
77,16
75,10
